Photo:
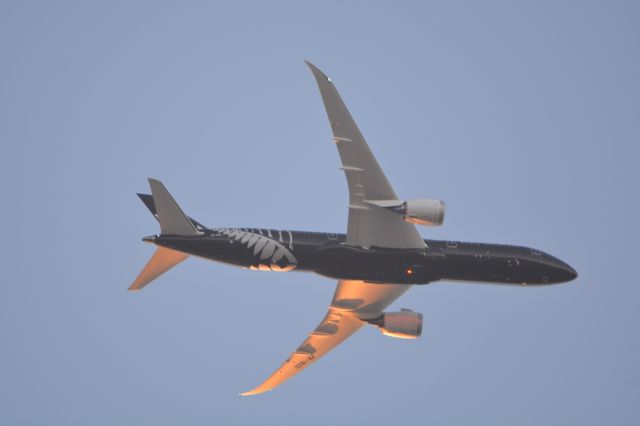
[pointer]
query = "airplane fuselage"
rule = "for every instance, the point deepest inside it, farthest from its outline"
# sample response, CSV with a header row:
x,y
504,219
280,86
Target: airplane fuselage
x,y
328,255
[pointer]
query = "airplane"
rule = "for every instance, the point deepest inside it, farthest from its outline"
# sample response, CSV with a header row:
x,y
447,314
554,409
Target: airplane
x,y
381,256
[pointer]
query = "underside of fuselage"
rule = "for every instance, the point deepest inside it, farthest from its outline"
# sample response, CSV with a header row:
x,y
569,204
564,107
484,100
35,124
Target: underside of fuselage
x,y
328,255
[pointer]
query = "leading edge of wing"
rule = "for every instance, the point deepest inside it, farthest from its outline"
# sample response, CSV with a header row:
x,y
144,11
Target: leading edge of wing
x,y
353,303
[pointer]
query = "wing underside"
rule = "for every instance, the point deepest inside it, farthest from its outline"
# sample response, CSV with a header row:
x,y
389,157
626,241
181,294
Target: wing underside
x,y
353,303
368,225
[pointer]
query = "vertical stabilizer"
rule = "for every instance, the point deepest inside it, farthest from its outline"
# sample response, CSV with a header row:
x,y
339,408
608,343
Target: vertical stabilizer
x,y
147,199
172,219
161,261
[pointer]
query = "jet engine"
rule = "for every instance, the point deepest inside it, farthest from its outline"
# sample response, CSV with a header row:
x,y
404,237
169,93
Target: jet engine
x,y
422,212
405,324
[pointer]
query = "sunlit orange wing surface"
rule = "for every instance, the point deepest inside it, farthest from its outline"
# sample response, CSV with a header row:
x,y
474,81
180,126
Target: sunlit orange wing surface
x,y
161,261
352,304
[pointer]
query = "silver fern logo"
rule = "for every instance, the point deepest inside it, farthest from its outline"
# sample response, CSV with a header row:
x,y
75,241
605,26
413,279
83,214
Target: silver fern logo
x,y
271,254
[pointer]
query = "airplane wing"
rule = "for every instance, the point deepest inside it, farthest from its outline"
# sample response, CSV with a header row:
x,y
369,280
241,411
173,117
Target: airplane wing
x,y
353,303
369,225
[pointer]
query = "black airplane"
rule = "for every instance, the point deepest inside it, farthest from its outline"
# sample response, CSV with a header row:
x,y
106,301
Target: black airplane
x,y
379,258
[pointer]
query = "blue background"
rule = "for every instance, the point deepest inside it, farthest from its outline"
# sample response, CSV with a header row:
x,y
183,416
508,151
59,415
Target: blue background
x,y
523,117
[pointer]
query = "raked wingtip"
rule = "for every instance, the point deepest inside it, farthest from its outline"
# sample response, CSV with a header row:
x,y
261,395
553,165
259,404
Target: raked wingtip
x,y
255,391
316,71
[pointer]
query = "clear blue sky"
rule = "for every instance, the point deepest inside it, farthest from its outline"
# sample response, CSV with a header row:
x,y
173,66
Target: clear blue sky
x,y
523,117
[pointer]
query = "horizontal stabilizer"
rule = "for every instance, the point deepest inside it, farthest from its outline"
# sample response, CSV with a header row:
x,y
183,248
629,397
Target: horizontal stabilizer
x,y
161,261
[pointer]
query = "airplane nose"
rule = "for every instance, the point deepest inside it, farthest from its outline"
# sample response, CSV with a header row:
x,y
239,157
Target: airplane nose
x,y
571,273
566,272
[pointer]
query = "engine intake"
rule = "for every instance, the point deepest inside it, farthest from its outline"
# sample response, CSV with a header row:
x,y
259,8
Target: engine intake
x,y
405,324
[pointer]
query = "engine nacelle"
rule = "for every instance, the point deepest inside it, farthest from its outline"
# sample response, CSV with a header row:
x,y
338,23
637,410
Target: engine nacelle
x,y
405,324
422,212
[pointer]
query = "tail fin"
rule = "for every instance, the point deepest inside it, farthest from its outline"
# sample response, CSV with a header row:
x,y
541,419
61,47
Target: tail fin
x,y
147,199
172,219
161,261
